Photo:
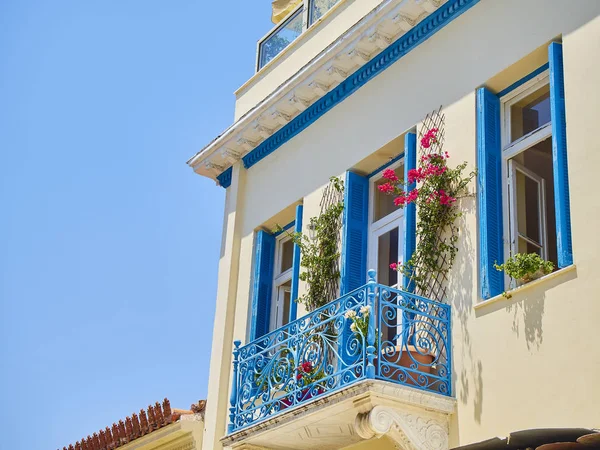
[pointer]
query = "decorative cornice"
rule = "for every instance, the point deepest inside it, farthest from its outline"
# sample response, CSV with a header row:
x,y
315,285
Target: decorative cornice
x,y
332,77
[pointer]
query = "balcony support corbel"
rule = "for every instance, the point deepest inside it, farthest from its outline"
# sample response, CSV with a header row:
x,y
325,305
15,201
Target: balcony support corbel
x,y
409,429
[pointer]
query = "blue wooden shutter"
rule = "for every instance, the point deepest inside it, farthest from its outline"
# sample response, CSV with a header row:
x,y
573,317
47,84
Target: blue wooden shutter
x,y
355,227
410,211
296,265
489,177
354,248
559,156
263,284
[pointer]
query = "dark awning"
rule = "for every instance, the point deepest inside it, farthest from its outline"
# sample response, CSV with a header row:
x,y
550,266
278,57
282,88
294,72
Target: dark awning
x,y
535,438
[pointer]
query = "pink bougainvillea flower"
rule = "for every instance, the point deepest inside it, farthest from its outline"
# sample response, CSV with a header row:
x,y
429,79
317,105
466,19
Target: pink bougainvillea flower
x,y
412,196
394,266
386,188
414,175
400,201
390,175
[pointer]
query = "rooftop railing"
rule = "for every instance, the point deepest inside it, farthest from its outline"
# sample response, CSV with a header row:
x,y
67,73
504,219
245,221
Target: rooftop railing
x,y
296,23
406,341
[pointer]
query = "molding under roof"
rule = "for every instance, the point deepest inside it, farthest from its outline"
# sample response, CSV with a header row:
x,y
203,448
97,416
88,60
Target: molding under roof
x,y
378,40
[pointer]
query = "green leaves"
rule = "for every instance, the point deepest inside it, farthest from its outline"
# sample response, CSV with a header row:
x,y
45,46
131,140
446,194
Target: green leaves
x,y
525,266
320,257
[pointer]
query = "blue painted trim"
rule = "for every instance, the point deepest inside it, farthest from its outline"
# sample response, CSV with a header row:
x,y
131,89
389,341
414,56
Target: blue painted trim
x,y
402,46
559,156
224,178
386,165
410,211
523,80
296,266
263,284
285,228
489,193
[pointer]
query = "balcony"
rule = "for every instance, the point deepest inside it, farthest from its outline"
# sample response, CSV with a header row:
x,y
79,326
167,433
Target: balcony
x,y
298,21
322,371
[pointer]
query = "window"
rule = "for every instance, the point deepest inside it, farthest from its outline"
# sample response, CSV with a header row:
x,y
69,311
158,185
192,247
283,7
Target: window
x,y
318,8
522,176
282,282
529,218
386,230
283,35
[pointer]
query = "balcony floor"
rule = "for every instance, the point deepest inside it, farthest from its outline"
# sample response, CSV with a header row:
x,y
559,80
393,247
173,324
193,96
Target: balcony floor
x,y
411,417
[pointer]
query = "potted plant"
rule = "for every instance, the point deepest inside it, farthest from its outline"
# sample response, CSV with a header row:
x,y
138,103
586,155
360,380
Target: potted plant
x,y
525,267
406,354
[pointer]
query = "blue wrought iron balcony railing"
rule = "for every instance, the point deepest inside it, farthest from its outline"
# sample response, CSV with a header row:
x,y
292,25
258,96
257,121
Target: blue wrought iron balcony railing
x,y
296,23
405,341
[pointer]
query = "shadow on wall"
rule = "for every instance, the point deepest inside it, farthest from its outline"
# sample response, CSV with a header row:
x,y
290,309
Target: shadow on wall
x,y
469,382
527,308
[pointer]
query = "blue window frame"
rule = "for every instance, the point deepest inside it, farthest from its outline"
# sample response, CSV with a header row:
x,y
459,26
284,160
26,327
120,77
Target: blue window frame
x,y
523,175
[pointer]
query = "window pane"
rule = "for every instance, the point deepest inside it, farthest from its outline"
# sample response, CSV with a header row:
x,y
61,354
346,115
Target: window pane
x,y
320,7
538,160
281,38
384,203
530,113
287,296
287,255
528,206
387,253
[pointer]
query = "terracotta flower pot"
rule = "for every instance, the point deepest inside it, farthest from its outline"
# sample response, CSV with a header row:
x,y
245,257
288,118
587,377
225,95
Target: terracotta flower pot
x,y
409,355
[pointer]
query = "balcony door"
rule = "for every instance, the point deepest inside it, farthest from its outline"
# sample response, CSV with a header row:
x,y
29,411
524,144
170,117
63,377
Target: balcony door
x,y
386,230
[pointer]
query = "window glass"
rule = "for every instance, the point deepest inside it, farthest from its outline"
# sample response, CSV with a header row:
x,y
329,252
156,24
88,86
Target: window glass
x,y
287,295
287,255
388,254
281,38
533,169
320,7
530,113
384,203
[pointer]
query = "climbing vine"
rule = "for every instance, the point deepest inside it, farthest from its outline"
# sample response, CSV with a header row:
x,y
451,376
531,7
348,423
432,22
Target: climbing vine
x,y
438,188
320,255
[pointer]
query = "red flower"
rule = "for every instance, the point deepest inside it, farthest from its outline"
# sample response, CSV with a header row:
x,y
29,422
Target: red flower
x,y
414,175
394,266
412,196
400,201
299,377
429,137
386,188
390,175
307,367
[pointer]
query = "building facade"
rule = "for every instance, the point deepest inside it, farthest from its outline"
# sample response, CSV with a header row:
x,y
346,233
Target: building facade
x,y
352,89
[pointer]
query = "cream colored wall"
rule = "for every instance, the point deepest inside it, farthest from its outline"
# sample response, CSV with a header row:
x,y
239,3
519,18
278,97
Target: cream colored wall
x,y
300,52
531,361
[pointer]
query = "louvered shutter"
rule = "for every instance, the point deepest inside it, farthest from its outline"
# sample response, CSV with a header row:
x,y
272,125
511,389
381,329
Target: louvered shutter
x,y
263,284
489,177
355,227
354,246
296,265
410,211
559,156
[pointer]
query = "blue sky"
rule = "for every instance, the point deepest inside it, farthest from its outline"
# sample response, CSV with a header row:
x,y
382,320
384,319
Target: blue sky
x,y
108,242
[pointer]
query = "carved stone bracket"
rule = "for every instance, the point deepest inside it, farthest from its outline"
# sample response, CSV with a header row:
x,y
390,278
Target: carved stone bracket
x,y
410,430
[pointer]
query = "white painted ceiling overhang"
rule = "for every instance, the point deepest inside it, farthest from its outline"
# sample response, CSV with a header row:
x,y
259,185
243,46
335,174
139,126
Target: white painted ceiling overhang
x,y
366,39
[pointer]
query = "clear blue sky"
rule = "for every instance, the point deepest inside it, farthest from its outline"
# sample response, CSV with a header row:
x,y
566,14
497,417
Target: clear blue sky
x,y
109,243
